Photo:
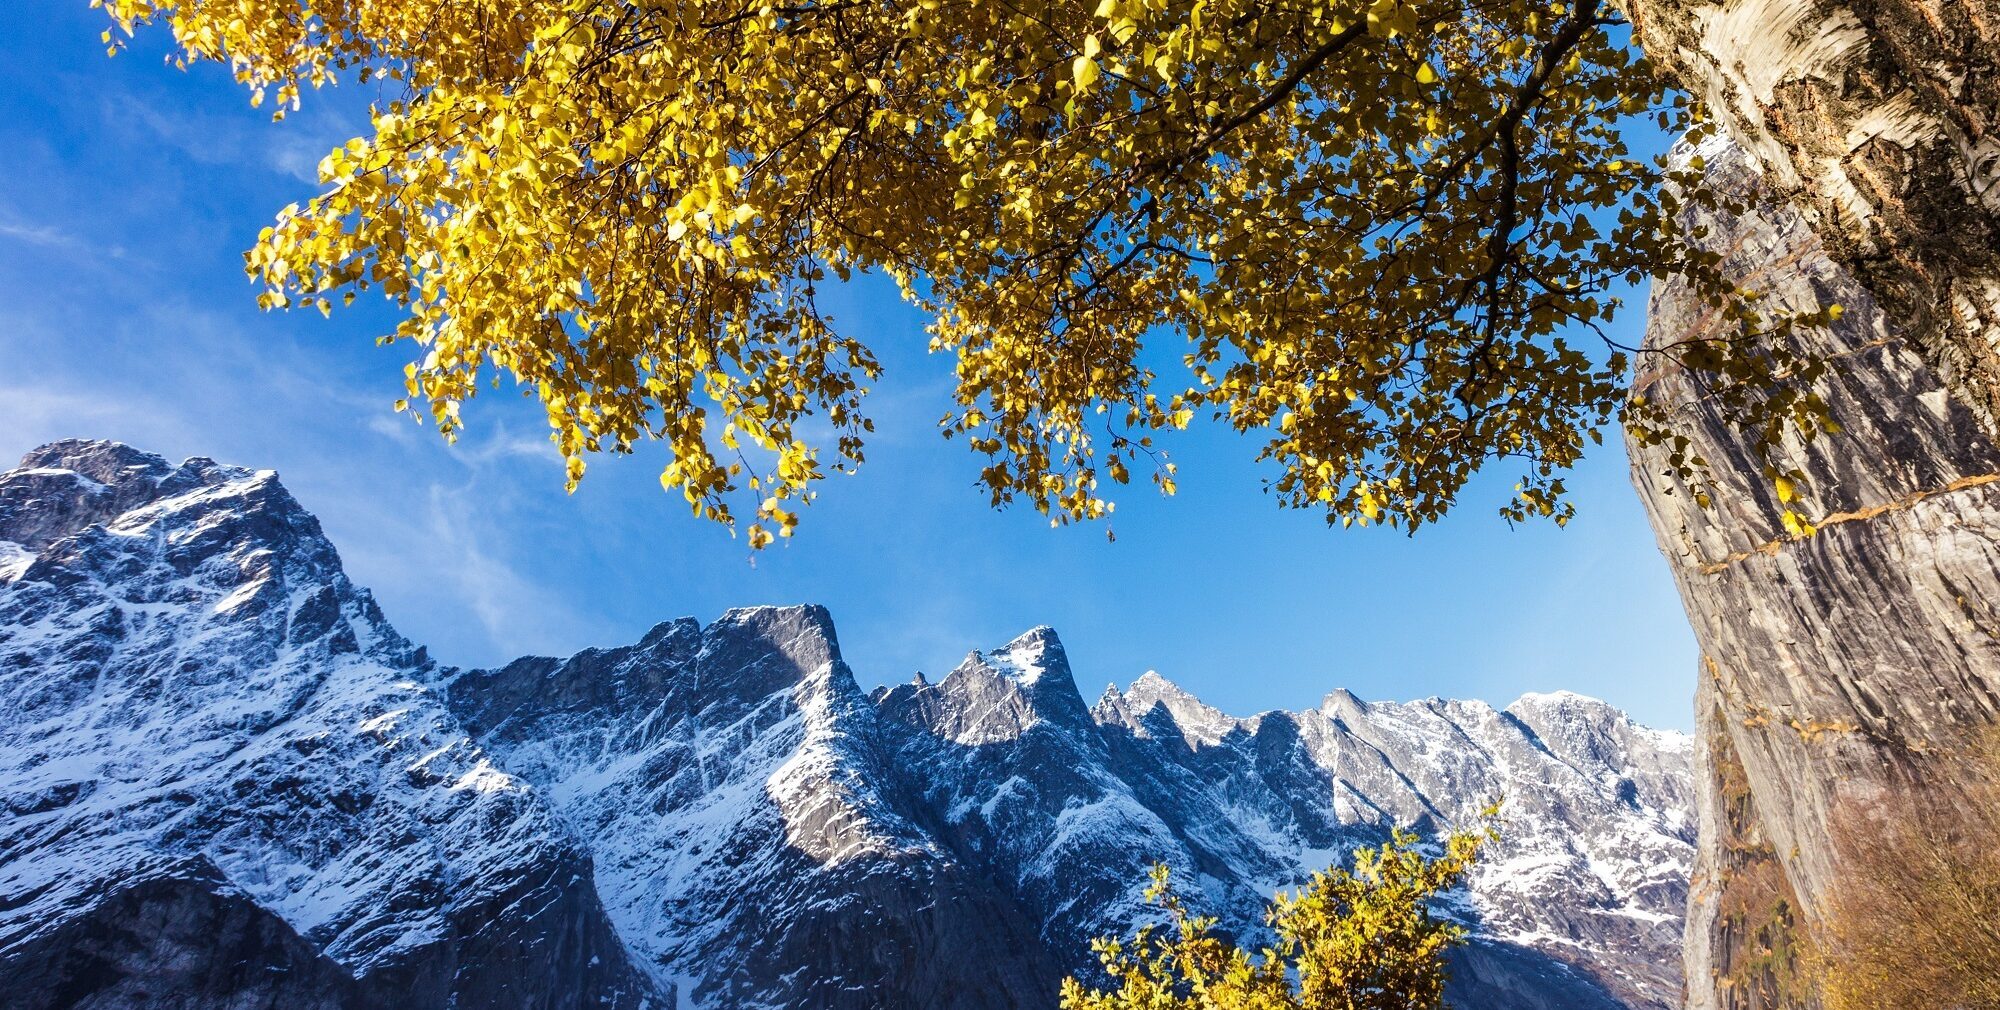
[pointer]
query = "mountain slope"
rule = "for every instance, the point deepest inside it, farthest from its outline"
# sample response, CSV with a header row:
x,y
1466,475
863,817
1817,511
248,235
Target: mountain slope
x,y
1578,906
207,721
216,753
748,830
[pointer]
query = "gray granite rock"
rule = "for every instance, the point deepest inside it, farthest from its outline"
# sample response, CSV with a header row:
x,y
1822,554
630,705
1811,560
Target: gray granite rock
x,y
1875,120
1834,665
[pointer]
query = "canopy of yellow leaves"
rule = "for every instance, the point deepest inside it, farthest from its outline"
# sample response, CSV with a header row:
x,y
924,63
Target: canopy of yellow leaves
x,y
1377,226
1365,939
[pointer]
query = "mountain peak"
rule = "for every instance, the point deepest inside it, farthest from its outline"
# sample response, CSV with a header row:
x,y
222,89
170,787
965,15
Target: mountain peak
x,y
995,694
114,466
65,487
1537,708
1199,722
202,706
1032,655
1340,703
1559,699
1111,710
1036,664
102,461
803,632
773,649
1583,728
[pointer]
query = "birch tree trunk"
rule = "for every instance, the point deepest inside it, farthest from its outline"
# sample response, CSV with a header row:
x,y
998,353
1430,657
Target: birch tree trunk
x,y
1876,120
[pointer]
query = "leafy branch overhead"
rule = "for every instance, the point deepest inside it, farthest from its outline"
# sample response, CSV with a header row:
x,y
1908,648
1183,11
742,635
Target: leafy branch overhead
x,y
1380,228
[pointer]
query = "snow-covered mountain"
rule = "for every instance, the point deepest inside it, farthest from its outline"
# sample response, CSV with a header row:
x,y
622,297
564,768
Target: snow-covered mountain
x,y
228,782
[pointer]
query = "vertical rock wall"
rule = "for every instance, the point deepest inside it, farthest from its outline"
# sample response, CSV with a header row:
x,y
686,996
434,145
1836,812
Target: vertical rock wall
x,y
1835,664
1742,941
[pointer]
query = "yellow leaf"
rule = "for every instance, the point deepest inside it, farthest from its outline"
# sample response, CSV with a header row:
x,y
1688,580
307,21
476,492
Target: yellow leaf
x,y
1086,72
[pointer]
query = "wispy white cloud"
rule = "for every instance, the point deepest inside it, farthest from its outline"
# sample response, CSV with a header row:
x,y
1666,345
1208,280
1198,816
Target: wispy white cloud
x,y
41,235
49,237
298,155
183,382
292,148
32,413
518,615
502,445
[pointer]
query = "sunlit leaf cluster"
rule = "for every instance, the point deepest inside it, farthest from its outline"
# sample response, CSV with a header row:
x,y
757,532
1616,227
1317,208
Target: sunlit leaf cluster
x,y
1380,237
1361,939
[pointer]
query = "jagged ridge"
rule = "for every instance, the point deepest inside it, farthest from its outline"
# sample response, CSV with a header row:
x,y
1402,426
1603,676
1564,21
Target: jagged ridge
x,y
204,701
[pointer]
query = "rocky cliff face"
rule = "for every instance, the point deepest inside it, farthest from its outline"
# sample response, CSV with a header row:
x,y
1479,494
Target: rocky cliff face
x,y
1571,908
753,836
1834,667
1838,669
229,783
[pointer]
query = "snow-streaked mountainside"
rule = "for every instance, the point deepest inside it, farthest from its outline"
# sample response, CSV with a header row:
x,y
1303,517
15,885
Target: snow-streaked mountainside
x,y
228,782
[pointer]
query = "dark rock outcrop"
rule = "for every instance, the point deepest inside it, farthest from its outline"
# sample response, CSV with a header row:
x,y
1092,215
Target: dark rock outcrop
x,y
181,939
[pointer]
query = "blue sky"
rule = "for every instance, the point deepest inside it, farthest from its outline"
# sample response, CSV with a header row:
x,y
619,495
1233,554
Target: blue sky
x,y
129,191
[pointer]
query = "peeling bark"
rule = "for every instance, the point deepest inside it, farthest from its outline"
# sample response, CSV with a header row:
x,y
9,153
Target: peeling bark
x,y
1876,120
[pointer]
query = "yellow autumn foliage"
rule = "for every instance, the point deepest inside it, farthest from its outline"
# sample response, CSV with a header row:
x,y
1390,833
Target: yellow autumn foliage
x,y
1376,227
1360,939
1913,917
